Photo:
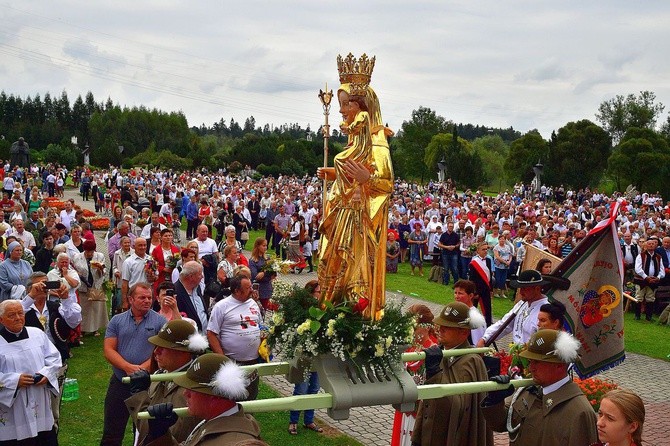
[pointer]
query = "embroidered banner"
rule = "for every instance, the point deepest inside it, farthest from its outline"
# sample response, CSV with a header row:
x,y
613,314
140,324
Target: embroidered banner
x,y
594,299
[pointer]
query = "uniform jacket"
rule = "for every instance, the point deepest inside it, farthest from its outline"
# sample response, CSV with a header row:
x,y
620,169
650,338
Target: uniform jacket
x,y
161,392
455,420
217,431
562,418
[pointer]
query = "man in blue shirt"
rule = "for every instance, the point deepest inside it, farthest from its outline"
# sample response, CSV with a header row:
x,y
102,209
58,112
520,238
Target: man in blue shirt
x,y
128,350
192,217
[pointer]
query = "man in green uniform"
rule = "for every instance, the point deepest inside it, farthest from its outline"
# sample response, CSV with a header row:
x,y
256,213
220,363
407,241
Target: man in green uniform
x,y
176,343
453,420
555,412
213,385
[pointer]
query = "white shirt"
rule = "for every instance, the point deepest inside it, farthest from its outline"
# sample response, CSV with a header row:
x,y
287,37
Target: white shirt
x,y
67,218
69,309
525,322
26,237
237,326
206,247
133,269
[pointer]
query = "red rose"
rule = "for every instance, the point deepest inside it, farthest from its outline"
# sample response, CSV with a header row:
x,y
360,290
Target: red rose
x,y
361,305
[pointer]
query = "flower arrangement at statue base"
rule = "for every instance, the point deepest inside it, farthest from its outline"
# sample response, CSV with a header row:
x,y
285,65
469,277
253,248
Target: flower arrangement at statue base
x,y
595,389
302,328
511,363
275,265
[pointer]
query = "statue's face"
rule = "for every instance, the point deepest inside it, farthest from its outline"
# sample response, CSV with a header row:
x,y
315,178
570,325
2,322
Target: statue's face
x,y
343,97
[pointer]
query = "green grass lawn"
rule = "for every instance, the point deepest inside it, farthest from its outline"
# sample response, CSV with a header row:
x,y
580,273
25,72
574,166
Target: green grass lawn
x,y
82,420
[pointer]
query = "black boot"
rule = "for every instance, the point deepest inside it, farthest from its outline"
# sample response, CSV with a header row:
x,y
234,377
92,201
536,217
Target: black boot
x,y
649,311
638,310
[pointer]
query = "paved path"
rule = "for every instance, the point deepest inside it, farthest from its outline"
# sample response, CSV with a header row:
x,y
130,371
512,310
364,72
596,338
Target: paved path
x,y
649,377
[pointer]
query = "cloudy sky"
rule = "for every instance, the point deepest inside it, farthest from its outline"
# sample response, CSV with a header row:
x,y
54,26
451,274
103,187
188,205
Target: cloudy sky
x,y
526,64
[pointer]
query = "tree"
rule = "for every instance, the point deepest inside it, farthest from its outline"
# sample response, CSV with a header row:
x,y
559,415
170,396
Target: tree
x,y
62,155
464,165
578,155
413,140
621,113
524,153
493,151
642,159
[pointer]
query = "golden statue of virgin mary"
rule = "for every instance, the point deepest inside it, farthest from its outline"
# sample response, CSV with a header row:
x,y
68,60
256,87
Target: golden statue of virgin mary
x,y
352,248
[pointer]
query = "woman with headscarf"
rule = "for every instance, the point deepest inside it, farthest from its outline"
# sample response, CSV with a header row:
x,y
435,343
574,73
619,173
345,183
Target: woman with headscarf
x,y
90,265
14,273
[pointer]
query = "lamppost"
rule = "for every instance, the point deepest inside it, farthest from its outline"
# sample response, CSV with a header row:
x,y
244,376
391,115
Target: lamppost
x,y
537,182
325,97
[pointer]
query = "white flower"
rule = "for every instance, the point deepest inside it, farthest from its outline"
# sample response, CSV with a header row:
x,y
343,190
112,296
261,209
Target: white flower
x,y
389,341
277,318
340,316
330,332
410,335
379,350
359,335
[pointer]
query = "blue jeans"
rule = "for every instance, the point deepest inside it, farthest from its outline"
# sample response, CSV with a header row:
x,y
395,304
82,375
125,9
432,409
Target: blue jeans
x,y
310,387
450,264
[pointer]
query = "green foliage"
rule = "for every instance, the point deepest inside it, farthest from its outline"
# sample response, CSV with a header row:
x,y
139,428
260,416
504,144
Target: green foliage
x,y
67,156
273,170
464,165
619,114
409,154
524,153
642,159
291,167
578,155
493,151
235,167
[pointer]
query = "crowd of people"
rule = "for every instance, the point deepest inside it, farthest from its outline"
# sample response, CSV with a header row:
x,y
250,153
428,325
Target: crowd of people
x,y
159,273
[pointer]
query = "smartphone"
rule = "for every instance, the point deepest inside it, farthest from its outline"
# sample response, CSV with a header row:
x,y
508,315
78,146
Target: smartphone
x,y
255,287
52,284
169,292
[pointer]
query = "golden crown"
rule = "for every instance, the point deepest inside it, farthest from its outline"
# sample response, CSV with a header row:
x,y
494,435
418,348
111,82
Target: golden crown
x,y
356,72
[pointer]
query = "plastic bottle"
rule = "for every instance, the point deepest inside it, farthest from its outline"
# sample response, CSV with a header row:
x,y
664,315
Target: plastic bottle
x,y
70,390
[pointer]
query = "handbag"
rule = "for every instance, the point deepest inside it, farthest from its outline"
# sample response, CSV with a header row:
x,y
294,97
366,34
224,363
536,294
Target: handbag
x,y
96,295
244,236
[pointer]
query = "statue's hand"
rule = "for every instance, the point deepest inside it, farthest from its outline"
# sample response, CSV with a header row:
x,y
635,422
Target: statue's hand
x,y
357,171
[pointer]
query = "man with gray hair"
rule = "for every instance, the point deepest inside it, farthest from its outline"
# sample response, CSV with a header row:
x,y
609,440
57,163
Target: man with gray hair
x,y
189,295
56,318
28,373
114,242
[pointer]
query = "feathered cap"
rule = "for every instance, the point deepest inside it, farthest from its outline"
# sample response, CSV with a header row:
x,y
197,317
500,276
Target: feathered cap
x,y
459,315
180,335
215,374
552,346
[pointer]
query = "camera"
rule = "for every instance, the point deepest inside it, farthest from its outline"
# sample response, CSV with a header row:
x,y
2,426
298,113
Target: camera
x,y
37,378
255,287
52,284
169,292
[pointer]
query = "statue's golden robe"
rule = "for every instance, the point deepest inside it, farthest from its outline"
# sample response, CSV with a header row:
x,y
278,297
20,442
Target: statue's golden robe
x,y
352,249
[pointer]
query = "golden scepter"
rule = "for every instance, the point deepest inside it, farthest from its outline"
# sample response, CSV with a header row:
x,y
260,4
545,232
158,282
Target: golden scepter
x,y
325,97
